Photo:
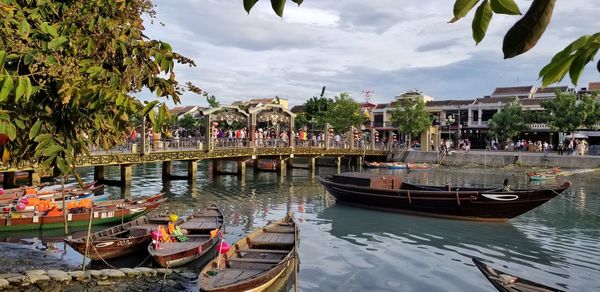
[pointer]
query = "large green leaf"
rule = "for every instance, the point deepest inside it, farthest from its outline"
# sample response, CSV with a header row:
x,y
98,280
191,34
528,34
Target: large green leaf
x,y
557,70
2,58
248,4
56,43
21,85
7,87
35,130
149,107
578,64
481,21
298,2
505,7
52,150
278,6
62,165
462,8
527,31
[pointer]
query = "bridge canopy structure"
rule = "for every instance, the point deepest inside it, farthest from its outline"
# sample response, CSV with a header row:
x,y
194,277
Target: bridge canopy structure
x,y
272,119
221,119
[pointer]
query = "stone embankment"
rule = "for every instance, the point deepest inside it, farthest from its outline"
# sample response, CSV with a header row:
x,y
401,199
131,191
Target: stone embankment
x,y
501,159
125,279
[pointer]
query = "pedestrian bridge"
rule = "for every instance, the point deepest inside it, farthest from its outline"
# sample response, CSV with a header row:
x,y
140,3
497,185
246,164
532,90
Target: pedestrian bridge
x,y
192,151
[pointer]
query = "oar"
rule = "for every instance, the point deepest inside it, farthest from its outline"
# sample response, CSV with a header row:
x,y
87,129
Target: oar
x,y
87,237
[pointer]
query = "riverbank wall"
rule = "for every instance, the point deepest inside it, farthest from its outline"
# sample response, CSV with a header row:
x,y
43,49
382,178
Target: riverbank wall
x,y
501,159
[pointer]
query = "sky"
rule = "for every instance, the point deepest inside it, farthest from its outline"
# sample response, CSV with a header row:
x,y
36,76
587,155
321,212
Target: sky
x,y
384,46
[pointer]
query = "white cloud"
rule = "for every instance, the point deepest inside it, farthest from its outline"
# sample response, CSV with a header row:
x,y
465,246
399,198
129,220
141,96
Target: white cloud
x,y
388,46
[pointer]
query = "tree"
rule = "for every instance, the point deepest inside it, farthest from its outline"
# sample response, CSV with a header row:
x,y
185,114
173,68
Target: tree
x,y
211,100
520,38
509,122
68,73
567,113
343,113
188,122
412,117
315,110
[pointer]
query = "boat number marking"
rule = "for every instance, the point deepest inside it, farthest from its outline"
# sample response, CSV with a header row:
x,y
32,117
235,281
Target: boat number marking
x,y
501,197
123,242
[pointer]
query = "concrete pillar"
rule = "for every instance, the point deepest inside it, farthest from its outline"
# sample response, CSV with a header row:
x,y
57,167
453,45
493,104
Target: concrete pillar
x,y
282,167
192,169
216,164
166,168
126,192
34,178
372,139
99,172
255,164
291,133
126,173
241,168
479,115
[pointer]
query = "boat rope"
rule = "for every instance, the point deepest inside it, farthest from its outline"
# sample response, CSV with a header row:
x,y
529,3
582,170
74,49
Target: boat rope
x,y
457,197
409,200
164,277
111,266
573,201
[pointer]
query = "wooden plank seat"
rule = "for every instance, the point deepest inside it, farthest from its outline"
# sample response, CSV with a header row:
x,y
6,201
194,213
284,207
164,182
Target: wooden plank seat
x,y
252,260
273,239
264,250
200,224
279,229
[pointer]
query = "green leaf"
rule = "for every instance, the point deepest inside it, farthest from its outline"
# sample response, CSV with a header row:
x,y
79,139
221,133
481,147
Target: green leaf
x,y
21,84
2,58
35,130
558,69
577,67
149,107
462,8
62,165
42,137
28,89
598,66
481,21
505,7
51,60
248,4
12,132
527,31
56,43
19,124
7,87
297,2
52,150
94,70
278,6
24,28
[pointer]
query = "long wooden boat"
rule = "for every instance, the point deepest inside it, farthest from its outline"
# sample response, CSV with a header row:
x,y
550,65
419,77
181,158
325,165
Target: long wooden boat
x,y
541,176
118,240
256,261
199,239
104,212
20,175
50,190
376,164
388,192
508,283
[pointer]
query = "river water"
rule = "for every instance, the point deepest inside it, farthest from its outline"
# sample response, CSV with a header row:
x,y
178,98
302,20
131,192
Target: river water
x,y
346,248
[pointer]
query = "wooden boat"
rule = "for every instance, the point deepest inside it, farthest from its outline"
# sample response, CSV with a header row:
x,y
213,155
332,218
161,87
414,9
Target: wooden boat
x,y
388,192
50,190
199,226
376,164
20,175
508,283
396,165
418,167
107,212
256,261
118,240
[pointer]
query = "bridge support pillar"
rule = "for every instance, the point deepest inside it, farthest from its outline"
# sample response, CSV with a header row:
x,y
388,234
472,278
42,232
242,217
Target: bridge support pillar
x,y
338,164
10,180
241,168
359,162
192,169
312,165
282,167
126,173
167,169
34,178
99,173
216,165
255,164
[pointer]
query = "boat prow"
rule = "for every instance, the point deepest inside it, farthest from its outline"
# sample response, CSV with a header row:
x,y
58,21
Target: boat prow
x,y
509,283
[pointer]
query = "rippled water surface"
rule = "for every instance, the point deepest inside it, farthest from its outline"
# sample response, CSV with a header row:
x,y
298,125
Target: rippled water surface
x,y
345,248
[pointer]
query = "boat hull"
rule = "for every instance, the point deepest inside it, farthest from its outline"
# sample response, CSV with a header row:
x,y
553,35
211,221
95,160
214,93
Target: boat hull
x,y
100,217
487,205
108,249
182,258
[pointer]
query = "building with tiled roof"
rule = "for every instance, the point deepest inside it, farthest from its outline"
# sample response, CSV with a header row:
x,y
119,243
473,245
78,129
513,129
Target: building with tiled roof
x,y
594,86
551,91
516,91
